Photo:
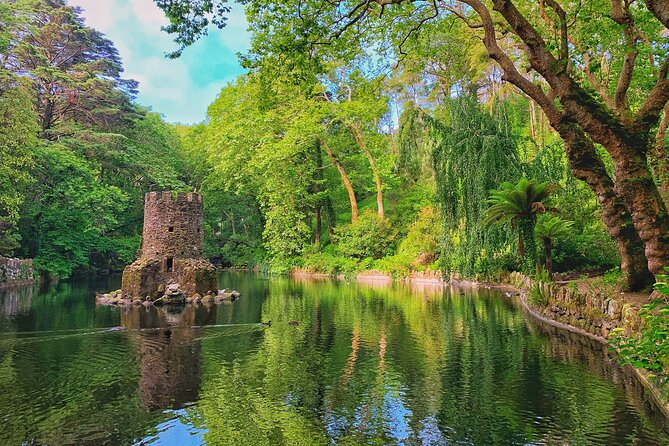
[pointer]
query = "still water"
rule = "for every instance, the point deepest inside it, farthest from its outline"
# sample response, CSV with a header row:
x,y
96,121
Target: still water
x,y
366,364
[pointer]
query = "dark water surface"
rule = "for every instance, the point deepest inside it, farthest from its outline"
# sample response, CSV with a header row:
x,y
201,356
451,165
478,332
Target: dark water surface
x,y
367,364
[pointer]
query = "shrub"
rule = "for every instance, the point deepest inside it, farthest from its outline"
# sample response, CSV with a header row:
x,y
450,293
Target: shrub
x,y
370,236
421,244
649,347
331,263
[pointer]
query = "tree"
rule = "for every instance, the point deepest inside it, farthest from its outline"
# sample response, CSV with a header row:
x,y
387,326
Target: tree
x,y
359,104
74,69
18,137
519,204
69,213
474,154
559,46
547,230
74,149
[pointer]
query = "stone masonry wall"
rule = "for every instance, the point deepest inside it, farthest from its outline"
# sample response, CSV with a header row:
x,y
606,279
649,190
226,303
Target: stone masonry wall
x,y
172,249
596,311
16,272
172,226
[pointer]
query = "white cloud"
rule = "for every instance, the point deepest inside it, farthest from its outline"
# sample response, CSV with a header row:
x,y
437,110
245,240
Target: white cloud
x,y
235,35
176,88
100,14
148,13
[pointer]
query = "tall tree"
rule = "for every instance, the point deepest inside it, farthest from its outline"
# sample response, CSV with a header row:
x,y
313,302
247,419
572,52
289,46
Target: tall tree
x,y
75,70
555,40
18,137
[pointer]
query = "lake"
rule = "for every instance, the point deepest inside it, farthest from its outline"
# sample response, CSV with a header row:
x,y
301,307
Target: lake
x,y
361,363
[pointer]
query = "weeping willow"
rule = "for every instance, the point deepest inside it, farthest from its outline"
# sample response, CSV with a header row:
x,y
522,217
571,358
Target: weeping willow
x,y
414,158
471,155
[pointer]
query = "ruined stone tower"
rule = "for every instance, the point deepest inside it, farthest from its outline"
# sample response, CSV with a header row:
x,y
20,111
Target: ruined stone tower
x,y
172,226
172,245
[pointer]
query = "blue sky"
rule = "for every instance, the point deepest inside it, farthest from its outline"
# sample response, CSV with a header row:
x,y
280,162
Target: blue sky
x,y
180,89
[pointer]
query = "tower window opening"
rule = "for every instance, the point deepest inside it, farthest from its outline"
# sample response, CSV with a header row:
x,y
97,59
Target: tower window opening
x,y
169,265
171,229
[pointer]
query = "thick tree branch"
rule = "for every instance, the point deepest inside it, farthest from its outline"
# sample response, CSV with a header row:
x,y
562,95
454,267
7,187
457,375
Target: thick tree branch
x,y
620,14
660,9
649,113
595,119
597,83
511,73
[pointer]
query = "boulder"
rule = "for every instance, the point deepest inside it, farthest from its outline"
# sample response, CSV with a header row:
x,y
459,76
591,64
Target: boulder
x,y
228,295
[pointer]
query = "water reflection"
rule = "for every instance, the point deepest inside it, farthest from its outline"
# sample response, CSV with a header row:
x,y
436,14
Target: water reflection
x,y
15,300
364,364
169,352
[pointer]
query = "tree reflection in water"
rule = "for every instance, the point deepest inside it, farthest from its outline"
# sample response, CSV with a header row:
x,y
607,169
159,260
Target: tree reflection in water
x,y
370,363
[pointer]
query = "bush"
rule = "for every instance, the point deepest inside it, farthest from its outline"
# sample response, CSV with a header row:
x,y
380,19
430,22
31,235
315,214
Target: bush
x,y
330,263
590,249
421,245
649,348
370,236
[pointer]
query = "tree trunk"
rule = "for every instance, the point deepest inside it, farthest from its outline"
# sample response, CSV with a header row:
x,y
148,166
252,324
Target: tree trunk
x,y
47,117
660,9
548,254
625,139
586,165
357,134
317,236
637,189
526,239
345,180
659,160
533,113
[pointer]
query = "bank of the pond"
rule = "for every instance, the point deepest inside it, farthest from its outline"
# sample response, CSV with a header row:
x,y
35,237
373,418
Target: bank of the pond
x,y
593,312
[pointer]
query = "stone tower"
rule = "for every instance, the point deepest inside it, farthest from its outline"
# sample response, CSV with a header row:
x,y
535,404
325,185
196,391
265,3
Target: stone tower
x,y
172,247
172,226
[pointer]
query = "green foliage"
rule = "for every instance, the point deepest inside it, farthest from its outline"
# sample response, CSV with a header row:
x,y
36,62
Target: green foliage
x,y
588,249
76,195
332,263
547,230
514,202
471,156
74,69
519,204
371,236
70,211
552,227
18,136
649,347
538,295
422,242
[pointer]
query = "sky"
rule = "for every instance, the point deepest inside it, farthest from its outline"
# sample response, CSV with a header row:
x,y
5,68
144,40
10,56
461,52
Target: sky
x,y
181,89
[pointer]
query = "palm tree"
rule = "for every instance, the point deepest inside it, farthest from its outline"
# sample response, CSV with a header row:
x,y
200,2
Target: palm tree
x,y
547,230
519,205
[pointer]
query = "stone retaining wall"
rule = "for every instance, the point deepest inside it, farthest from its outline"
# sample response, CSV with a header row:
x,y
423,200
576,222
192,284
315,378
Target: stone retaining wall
x,y
593,313
14,272
597,311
